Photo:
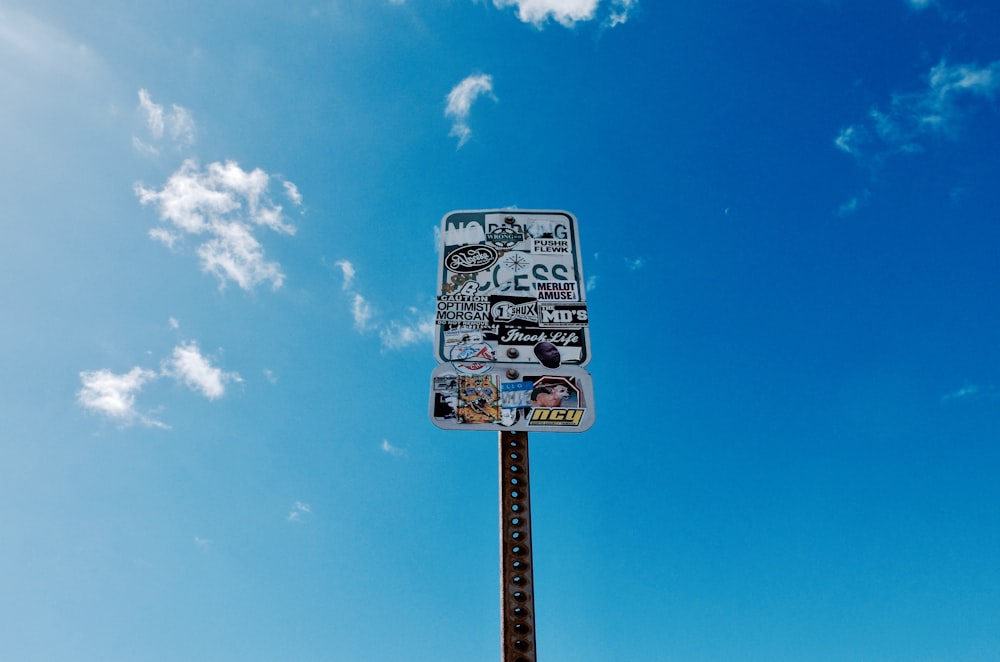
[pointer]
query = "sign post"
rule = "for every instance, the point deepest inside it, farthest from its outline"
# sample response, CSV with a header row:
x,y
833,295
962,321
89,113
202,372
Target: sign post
x,y
517,585
512,339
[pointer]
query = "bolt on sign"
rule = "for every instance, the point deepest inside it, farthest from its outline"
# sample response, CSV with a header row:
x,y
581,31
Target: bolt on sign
x,y
510,282
512,328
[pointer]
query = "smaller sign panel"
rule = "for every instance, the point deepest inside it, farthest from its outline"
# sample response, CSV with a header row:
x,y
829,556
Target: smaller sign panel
x,y
473,395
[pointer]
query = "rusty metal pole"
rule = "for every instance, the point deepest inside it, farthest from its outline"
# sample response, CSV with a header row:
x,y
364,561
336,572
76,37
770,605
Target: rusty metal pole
x,y
517,587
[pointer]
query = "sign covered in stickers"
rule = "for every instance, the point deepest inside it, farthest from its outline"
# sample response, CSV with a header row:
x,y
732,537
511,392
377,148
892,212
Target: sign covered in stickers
x,y
512,326
517,397
511,289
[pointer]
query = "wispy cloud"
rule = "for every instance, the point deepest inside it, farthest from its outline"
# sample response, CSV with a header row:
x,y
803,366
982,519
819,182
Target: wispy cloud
x,y
221,206
939,109
621,11
418,328
970,392
460,101
298,512
188,365
851,140
292,191
414,327
912,120
920,4
347,269
113,395
635,263
361,310
176,123
389,449
852,205
202,543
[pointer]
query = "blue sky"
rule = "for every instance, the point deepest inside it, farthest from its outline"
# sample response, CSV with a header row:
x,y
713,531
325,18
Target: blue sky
x,y
218,277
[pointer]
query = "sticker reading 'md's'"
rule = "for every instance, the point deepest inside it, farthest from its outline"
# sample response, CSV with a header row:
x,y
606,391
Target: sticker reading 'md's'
x,y
562,316
471,259
556,290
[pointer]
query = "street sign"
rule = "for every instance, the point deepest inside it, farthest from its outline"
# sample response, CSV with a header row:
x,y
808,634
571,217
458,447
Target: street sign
x,y
512,396
511,289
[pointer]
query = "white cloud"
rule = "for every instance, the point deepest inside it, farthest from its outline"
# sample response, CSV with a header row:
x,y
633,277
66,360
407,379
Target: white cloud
x,y
850,140
348,270
154,114
174,324
621,10
389,449
564,12
971,392
178,123
635,263
460,101
292,191
202,543
113,395
397,335
362,312
849,207
952,92
298,511
189,366
222,206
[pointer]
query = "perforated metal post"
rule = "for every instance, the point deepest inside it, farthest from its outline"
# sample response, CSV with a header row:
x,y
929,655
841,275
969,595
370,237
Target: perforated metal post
x,y
517,597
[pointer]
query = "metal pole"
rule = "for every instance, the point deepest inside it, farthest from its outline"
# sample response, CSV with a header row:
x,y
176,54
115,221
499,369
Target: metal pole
x,y
517,590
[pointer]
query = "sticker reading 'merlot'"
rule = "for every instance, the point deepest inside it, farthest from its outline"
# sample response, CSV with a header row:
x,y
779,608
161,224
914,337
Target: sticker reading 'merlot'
x,y
556,291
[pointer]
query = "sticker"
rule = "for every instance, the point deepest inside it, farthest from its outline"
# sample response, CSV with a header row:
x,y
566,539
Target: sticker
x,y
516,261
551,246
531,336
555,401
550,290
556,416
552,392
546,228
516,395
478,399
472,350
466,311
560,316
445,392
472,367
505,237
471,259
506,309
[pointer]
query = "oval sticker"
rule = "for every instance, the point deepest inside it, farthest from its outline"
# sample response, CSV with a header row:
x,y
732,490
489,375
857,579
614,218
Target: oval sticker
x,y
473,258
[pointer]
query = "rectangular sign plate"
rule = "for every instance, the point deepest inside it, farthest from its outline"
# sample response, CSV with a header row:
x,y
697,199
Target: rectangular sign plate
x,y
511,289
511,396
